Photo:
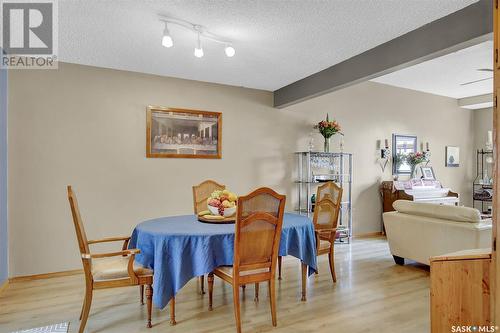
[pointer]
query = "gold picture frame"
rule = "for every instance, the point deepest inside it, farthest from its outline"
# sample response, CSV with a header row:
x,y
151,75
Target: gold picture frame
x,y
183,133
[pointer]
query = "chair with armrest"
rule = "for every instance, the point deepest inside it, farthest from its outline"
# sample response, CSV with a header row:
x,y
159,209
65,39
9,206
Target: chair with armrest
x,y
201,193
325,220
257,236
108,270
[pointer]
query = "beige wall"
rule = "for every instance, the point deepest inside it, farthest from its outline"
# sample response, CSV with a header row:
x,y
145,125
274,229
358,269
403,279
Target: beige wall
x,y
369,112
86,126
483,122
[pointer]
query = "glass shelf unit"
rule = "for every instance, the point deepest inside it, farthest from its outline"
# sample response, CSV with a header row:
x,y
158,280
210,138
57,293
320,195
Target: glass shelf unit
x,y
314,168
484,165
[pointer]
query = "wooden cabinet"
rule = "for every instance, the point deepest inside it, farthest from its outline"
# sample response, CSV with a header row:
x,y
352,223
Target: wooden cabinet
x,y
389,195
460,290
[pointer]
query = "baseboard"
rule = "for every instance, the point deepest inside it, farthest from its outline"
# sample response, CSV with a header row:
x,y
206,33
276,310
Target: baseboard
x,y
45,275
80,271
4,285
369,235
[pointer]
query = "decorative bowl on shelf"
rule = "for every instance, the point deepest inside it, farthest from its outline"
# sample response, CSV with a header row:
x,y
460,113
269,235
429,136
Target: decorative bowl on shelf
x,y
227,211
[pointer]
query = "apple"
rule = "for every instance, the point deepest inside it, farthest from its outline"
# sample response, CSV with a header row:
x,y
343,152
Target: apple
x,y
214,202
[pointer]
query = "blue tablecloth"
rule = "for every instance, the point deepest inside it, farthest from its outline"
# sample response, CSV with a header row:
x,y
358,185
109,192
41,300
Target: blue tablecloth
x,y
179,248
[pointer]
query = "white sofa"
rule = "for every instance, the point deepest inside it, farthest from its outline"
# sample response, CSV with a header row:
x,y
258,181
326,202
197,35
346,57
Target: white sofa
x,y
418,231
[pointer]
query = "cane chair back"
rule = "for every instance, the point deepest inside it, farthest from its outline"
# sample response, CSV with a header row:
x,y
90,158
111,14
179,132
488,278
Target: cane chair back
x,y
202,192
258,230
327,208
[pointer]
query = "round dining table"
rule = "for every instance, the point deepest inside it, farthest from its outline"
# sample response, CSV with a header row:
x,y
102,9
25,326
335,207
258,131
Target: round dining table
x,y
179,248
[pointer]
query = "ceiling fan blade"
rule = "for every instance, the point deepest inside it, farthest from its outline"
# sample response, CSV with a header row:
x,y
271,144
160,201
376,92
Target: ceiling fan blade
x,y
485,70
471,82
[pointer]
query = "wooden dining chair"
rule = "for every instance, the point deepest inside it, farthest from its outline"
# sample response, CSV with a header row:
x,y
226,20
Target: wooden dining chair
x,y
325,220
108,270
258,227
201,193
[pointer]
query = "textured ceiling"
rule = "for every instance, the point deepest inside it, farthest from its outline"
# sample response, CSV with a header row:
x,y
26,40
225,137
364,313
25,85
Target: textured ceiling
x,y
444,75
276,42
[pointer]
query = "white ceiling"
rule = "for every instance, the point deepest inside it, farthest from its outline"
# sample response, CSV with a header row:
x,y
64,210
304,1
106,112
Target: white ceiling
x,y
276,42
444,75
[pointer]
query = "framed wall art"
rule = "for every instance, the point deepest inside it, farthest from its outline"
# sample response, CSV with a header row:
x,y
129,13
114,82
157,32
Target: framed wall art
x,y
183,133
452,156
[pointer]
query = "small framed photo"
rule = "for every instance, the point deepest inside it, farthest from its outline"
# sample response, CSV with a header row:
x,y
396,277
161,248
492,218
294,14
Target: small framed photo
x,y
452,156
428,173
181,133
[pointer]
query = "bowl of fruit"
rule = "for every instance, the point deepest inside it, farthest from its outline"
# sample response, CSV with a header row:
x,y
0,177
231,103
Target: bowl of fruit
x,y
222,203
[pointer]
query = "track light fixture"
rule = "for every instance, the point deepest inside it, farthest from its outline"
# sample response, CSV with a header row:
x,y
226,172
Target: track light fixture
x,y
200,32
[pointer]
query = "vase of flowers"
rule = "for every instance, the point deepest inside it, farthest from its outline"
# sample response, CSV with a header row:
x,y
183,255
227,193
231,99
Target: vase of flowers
x,y
327,129
414,159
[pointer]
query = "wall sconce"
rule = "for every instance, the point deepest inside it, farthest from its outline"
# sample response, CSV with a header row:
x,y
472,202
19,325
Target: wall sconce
x,y
427,153
385,155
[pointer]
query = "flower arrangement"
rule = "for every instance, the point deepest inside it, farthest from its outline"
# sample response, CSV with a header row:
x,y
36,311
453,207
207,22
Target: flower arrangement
x,y
328,128
414,159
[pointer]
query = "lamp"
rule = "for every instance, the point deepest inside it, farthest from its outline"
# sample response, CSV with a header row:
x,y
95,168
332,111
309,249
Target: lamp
x,y
167,39
198,51
229,50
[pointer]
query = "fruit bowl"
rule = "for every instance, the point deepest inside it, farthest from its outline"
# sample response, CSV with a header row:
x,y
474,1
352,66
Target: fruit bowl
x,y
227,211
222,202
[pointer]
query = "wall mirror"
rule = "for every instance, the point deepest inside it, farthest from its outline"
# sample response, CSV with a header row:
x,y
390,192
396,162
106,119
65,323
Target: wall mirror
x,y
402,145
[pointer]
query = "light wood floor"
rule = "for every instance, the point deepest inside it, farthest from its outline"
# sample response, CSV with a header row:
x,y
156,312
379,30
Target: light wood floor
x,y
372,294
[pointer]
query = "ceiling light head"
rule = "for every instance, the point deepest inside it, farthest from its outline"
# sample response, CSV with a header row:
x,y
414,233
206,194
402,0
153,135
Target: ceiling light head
x,y
198,50
229,50
167,39
198,53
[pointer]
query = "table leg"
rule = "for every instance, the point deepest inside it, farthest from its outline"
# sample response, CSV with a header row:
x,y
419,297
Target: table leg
x,y
304,281
172,311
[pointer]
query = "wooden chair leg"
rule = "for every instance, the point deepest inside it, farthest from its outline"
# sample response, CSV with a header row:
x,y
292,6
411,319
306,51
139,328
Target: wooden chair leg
x,y
202,283
210,279
86,309
83,307
141,287
279,267
256,299
149,300
304,281
332,264
172,311
272,292
236,300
